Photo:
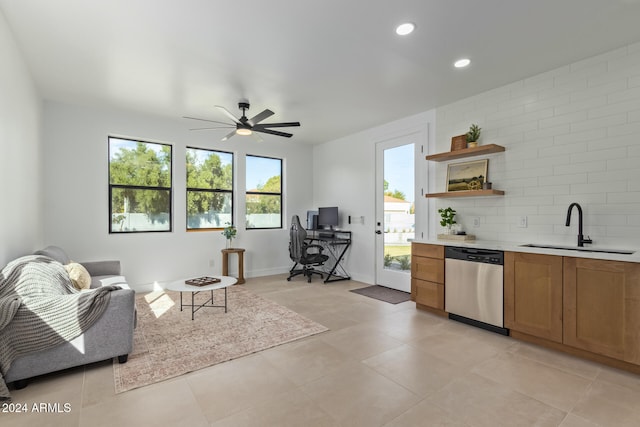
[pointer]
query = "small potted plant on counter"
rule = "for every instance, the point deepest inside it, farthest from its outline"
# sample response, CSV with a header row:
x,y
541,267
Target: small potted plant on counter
x,y
473,135
447,220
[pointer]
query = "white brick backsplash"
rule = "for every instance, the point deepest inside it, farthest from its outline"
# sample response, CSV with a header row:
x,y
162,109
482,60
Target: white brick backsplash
x,y
572,169
571,135
604,154
565,179
599,187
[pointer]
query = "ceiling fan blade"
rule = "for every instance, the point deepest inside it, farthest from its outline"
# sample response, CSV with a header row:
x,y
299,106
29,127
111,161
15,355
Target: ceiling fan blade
x,y
277,125
257,137
229,135
228,113
205,120
260,117
274,132
217,127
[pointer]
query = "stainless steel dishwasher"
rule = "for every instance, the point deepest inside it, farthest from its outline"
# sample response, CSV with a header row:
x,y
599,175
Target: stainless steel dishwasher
x,y
474,287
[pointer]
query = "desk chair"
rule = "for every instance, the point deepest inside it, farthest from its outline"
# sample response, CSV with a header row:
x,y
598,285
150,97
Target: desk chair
x,y
302,252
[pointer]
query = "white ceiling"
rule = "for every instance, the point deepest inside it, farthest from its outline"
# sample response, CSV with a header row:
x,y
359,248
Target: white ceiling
x,y
335,65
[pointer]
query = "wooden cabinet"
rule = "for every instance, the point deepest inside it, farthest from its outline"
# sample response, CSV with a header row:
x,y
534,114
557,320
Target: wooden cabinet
x,y
533,294
602,307
427,275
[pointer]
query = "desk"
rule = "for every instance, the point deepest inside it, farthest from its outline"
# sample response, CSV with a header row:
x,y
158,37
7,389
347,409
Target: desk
x,y
225,262
335,244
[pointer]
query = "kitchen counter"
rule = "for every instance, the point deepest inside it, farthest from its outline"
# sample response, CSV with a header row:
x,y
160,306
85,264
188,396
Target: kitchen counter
x,y
517,247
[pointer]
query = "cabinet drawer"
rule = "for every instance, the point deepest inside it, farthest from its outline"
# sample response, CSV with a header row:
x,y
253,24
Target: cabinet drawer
x,y
428,293
428,251
429,269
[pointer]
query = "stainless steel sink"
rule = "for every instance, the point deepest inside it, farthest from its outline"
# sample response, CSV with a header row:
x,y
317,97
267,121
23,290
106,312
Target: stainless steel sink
x,y
581,249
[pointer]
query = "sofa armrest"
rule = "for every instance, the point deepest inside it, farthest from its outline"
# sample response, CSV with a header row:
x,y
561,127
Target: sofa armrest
x,y
102,268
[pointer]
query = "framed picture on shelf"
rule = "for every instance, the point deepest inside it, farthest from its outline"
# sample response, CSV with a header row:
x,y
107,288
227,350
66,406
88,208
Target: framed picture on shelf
x,y
467,176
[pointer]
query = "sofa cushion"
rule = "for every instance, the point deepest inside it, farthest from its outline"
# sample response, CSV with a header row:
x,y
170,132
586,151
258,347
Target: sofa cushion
x,y
56,253
78,275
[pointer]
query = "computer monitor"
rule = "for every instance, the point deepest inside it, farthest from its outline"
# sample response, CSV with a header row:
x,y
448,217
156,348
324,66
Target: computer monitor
x,y
328,217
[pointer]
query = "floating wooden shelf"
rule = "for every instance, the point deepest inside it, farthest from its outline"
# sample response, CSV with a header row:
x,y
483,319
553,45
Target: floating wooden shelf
x,y
470,193
466,152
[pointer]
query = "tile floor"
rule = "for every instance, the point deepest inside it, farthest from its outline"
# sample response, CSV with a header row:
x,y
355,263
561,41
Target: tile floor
x,y
379,365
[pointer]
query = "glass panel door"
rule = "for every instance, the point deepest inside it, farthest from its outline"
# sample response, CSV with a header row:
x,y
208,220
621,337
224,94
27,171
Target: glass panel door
x,y
395,211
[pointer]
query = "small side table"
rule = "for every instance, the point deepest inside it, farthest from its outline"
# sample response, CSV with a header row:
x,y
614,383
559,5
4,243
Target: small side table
x,y
225,262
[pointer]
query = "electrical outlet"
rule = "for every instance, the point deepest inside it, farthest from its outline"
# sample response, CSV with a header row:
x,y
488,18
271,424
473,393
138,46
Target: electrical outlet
x,y
476,221
522,222
211,262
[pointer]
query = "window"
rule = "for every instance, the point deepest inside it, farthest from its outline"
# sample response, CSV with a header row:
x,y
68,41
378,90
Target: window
x,y
209,189
139,186
264,192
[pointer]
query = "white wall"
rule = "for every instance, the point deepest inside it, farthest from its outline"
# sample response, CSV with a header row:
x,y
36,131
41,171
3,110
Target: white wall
x,y
77,207
21,229
344,176
571,135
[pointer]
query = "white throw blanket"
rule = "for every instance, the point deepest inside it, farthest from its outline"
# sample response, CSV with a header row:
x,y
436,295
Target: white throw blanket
x,y
40,309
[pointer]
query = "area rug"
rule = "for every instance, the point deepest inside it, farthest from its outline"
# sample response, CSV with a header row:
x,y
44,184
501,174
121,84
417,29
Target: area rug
x,y
167,343
385,294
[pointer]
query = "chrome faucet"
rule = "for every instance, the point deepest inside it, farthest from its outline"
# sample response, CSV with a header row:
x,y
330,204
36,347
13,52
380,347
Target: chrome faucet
x,y
581,239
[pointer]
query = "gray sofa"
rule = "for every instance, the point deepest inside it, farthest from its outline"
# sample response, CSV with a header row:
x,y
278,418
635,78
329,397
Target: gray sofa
x,y
110,336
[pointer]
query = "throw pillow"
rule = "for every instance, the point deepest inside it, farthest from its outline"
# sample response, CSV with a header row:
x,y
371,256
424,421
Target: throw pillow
x,y
78,275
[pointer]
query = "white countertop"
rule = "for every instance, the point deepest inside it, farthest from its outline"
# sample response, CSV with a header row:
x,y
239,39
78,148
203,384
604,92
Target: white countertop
x,y
517,247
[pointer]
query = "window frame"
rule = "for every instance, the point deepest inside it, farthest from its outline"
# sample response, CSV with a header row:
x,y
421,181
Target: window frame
x,y
264,193
139,187
208,190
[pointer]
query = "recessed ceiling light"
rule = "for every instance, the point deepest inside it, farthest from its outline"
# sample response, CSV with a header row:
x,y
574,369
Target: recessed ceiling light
x,y
406,28
461,63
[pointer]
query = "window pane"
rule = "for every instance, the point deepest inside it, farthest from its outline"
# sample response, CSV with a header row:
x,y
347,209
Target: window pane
x,y
263,174
206,209
212,170
140,210
263,211
139,163
209,188
139,186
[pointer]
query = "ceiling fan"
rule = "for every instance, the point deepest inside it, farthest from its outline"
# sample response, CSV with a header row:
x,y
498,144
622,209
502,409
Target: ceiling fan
x,y
245,126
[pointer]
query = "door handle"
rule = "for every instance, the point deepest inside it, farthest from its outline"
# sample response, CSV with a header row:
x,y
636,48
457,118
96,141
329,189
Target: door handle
x,y
378,232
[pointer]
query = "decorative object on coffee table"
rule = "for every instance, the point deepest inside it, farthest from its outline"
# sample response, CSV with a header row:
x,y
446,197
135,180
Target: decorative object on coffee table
x,y
202,281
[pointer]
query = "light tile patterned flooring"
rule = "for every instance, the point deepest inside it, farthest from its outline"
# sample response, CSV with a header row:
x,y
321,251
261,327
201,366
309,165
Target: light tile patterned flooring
x,y
380,365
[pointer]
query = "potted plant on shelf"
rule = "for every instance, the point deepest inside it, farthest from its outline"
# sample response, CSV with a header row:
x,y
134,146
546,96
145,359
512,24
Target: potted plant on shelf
x,y
447,218
473,135
229,233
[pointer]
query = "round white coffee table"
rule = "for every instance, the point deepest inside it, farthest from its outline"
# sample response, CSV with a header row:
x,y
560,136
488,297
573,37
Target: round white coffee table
x,y
181,286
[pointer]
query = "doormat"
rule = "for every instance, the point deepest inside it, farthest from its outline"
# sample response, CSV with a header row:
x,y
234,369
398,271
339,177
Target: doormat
x,y
382,293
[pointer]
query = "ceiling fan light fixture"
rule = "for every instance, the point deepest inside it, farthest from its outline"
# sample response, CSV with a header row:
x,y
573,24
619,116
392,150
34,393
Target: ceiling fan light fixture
x,y
244,131
461,63
405,28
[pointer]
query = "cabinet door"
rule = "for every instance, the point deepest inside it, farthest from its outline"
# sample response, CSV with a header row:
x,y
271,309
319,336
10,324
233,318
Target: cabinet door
x,y
428,293
533,294
429,269
602,307
426,250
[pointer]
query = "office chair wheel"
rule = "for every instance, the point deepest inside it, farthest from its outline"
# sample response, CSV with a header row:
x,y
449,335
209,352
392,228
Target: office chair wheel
x,y
288,279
